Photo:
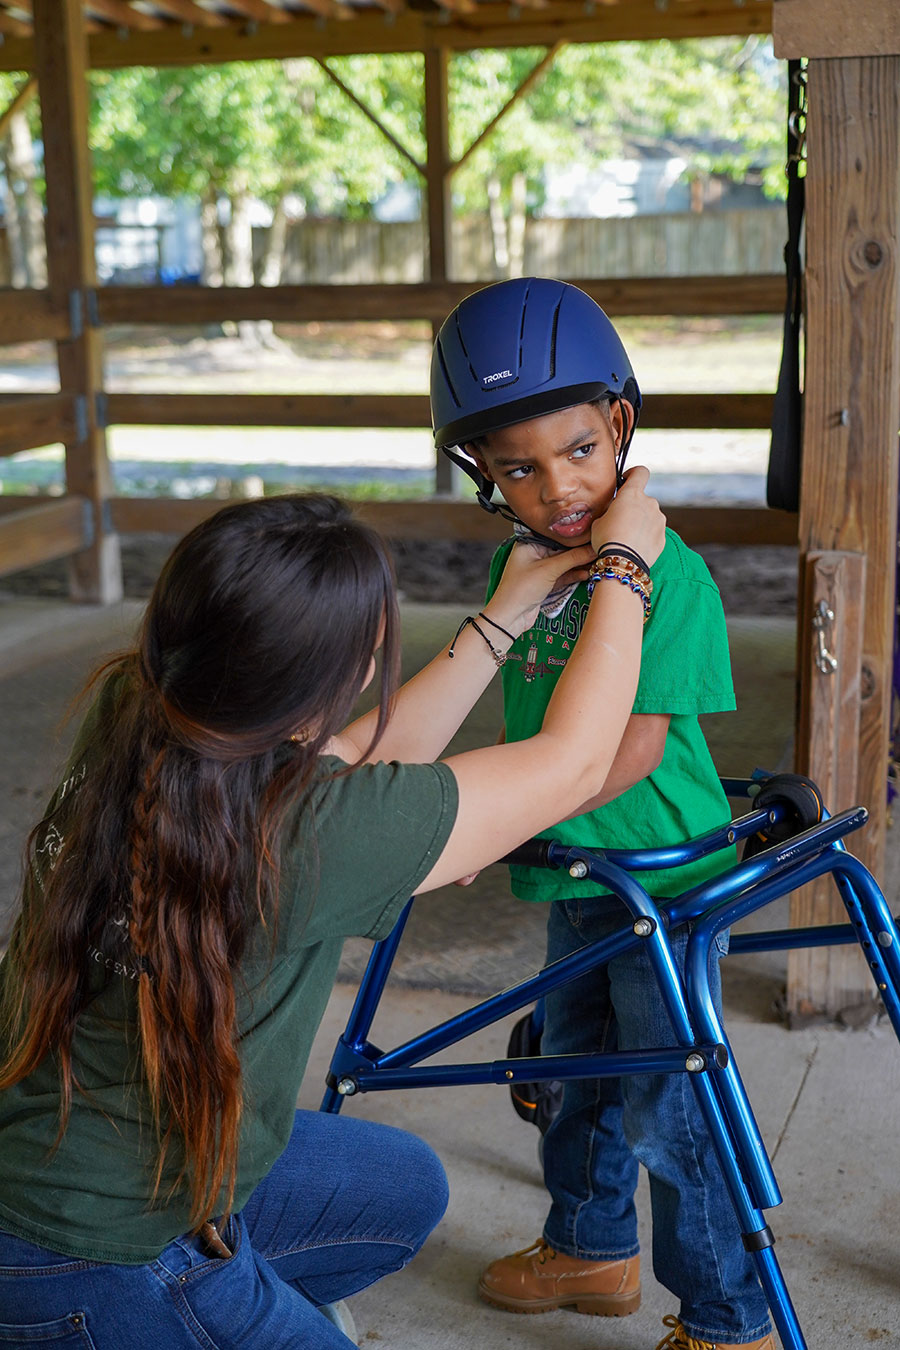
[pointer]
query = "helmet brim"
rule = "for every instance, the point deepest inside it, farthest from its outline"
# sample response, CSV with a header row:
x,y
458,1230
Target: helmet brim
x,y
463,430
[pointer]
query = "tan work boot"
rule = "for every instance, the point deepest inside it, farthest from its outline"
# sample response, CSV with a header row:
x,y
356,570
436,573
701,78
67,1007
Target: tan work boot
x,y
538,1279
679,1339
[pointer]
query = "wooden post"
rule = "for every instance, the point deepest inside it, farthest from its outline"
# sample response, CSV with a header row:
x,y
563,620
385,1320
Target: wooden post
x,y
437,189
60,49
829,659
850,463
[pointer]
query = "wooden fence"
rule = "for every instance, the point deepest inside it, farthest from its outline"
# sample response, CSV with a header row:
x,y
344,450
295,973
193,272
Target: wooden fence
x,y
735,243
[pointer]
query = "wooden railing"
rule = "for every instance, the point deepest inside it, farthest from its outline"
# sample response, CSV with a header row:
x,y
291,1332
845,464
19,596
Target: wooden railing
x,y
34,529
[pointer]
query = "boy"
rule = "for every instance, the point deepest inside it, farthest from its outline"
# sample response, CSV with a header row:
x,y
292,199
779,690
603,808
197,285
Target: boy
x,y
532,385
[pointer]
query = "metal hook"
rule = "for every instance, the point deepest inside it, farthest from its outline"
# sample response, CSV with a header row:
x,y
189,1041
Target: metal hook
x,y
826,661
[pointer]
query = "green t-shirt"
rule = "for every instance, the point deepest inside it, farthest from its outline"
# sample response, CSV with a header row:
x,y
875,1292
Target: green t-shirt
x,y
685,671
377,833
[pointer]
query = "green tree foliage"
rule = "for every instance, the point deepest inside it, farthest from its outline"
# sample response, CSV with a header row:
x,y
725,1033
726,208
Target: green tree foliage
x,y
718,103
268,126
278,127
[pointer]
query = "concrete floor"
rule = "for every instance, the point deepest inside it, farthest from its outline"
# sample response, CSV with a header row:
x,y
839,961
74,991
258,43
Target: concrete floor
x,y
825,1098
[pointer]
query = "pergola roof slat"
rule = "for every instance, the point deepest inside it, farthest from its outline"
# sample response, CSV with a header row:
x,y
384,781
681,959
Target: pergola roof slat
x,y
187,32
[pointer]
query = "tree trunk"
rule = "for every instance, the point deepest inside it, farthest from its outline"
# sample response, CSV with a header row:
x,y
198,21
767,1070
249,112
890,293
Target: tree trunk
x,y
209,238
239,241
18,272
239,268
276,240
516,225
20,163
499,235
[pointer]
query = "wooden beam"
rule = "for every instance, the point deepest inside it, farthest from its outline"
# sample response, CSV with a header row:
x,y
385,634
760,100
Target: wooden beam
x,y
683,296
122,15
56,528
488,25
37,420
438,201
188,11
661,411
20,101
32,316
436,518
437,163
60,50
739,526
260,11
849,476
530,79
373,118
272,410
832,28
15,28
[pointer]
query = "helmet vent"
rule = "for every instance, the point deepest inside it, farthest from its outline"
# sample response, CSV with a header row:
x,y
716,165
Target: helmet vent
x,y
553,333
522,324
465,351
445,371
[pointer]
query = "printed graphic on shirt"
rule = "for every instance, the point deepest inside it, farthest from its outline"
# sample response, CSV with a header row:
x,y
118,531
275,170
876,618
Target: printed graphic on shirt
x,y
50,844
548,643
114,949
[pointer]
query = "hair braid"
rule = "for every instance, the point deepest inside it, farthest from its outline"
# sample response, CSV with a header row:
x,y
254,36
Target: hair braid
x,y
182,940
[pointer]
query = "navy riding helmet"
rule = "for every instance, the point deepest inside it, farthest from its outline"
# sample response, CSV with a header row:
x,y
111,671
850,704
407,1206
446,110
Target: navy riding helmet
x,y
516,350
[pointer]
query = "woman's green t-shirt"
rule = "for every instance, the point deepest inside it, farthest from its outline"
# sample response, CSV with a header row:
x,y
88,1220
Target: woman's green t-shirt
x,y
363,843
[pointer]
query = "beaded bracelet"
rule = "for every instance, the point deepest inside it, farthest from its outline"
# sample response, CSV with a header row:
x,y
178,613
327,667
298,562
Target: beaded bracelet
x,y
499,657
612,547
613,574
627,565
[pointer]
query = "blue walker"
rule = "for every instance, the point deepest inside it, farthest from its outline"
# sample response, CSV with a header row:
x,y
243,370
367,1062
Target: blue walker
x,y
794,852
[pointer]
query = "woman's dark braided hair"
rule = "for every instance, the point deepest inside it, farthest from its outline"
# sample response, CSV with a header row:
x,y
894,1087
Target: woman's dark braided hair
x,y
255,645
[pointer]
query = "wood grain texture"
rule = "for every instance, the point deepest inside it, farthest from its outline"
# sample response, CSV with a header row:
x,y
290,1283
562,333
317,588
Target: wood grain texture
x,y
834,28
823,978
852,404
61,68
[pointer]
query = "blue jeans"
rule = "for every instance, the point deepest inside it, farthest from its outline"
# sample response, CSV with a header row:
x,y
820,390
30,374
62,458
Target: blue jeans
x,y
347,1202
607,1126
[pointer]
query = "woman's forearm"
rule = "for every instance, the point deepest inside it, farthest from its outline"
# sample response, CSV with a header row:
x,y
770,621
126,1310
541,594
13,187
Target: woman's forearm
x,y
512,791
430,708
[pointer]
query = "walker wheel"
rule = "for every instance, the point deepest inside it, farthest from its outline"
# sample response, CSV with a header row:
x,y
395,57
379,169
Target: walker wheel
x,y
801,807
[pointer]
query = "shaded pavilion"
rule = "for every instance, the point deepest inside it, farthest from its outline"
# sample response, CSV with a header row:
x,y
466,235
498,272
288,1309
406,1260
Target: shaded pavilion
x,y
846,528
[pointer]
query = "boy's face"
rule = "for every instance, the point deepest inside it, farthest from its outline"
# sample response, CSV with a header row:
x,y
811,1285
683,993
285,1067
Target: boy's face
x,y
556,472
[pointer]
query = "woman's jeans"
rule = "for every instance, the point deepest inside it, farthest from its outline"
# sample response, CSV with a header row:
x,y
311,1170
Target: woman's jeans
x,y
346,1203
607,1126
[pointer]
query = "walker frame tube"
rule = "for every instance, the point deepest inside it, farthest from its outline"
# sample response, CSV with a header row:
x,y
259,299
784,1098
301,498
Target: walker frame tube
x,y
702,1048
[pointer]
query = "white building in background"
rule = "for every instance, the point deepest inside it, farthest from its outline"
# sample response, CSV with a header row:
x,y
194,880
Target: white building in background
x,y
620,187
147,239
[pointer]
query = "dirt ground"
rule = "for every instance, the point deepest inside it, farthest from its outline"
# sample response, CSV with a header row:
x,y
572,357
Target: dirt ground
x,y
753,581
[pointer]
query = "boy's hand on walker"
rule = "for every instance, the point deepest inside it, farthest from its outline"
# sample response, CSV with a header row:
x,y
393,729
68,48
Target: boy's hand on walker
x,y
632,518
529,577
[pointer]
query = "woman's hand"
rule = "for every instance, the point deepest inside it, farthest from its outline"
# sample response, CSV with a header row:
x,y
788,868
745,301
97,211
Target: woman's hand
x,y
633,519
529,577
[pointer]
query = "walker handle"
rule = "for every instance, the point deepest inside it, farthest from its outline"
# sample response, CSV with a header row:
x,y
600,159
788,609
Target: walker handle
x,y
533,853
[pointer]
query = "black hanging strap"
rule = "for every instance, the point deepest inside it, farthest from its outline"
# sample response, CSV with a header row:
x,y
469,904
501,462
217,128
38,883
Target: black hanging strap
x,y
783,480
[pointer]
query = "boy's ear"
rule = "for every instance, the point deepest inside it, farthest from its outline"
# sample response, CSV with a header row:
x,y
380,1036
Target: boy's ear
x,y
480,462
621,415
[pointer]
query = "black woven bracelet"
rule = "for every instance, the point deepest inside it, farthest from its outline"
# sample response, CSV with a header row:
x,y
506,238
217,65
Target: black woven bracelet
x,y
504,631
499,657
